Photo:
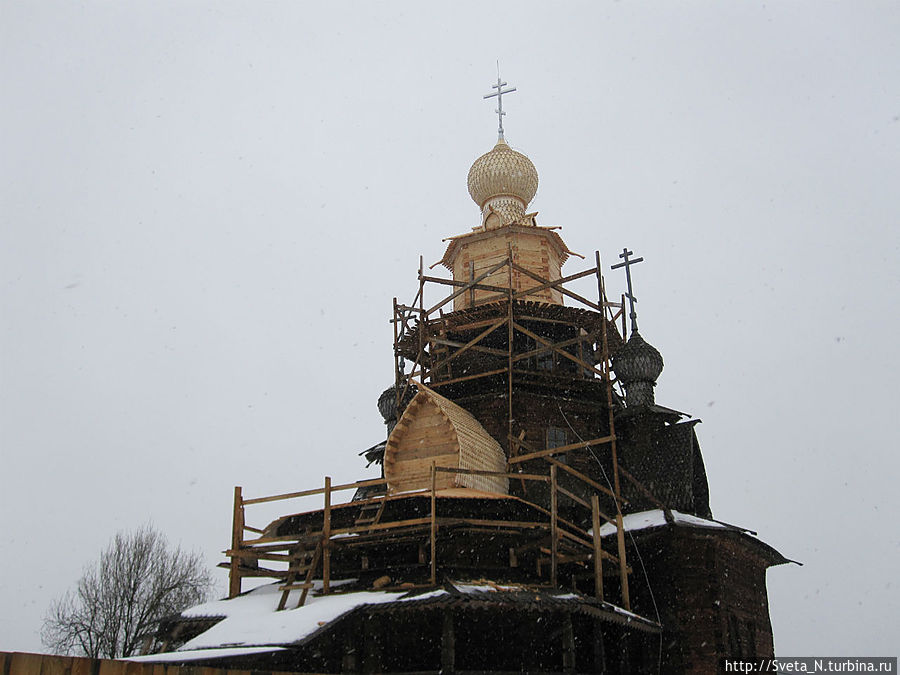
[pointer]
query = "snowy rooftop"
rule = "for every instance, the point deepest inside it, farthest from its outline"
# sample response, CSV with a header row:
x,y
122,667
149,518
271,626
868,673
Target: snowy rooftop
x,y
657,518
250,623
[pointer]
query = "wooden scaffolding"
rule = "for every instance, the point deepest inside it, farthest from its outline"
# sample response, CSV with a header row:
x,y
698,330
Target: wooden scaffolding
x,y
426,336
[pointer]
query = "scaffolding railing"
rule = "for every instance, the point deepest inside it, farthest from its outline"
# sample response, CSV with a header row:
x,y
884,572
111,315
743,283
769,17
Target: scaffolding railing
x,y
315,546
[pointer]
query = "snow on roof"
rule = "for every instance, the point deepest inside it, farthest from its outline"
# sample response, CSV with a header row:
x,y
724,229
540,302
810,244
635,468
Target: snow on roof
x,y
251,624
657,518
251,619
203,654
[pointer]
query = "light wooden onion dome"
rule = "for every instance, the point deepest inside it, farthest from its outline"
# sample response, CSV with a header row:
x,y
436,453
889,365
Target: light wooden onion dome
x,y
504,182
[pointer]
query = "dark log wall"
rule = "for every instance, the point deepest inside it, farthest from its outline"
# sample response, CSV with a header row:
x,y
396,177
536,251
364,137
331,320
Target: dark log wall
x,y
709,587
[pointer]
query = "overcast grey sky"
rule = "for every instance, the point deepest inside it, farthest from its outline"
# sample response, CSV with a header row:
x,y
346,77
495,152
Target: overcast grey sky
x,y
206,208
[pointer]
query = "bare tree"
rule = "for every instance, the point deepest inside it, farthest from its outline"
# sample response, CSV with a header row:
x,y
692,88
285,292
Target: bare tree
x,y
118,601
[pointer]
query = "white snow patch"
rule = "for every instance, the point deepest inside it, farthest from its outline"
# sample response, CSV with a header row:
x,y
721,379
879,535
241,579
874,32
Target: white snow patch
x,y
484,588
656,518
252,619
198,654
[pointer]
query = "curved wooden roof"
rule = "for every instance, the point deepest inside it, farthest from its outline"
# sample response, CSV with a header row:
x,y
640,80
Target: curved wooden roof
x,y
435,429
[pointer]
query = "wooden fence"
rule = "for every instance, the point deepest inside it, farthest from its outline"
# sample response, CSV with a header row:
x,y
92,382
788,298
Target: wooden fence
x,y
23,663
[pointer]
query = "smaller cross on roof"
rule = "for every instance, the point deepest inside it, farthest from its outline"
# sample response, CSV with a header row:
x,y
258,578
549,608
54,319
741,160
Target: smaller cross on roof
x,y
499,94
628,262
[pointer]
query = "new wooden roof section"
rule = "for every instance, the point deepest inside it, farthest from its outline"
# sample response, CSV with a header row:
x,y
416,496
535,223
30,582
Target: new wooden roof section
x,y
408,457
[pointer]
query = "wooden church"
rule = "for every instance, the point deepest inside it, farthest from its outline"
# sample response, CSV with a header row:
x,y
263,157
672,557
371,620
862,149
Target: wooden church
x,y
538,511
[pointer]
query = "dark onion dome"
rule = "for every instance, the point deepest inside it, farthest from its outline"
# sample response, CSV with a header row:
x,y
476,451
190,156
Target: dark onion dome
x,y
387,402
638,366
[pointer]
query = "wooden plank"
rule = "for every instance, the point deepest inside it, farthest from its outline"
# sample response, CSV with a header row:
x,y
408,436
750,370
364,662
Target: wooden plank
x,y
465,284
561,289
474,348
480,522
358,484
465,378
561,352
554,531
418,429
417,454
257,555
326,539
404,467
21,663
559,450
433,524
575,498
237,535
594,484
82,666
623,570
55,665
471,343
598,550
582,541
309,575
501,474
510,345
381,526
296,586
552,284
460,291
287,495
559,345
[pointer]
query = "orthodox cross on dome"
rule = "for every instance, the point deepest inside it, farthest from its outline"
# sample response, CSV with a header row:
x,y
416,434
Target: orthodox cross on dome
x,y
499,94
628,262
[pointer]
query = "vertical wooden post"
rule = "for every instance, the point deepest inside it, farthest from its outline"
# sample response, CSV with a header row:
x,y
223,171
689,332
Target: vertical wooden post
x,y
554,533
396,358
471,279
599,648
509,337
448,643
237,538
326,539
433,525
423,323
568,645
620,529
623,568
598,551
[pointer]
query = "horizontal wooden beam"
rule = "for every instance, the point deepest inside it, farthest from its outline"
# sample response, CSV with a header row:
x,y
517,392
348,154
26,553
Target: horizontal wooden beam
x,y
561,449
553,284
562,289
477,348
594,484
471,343
464,378
476,280
504,474
467,285
561,352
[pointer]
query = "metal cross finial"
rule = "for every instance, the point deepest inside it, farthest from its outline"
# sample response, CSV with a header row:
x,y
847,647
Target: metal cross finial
x,y
499,94
630,294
